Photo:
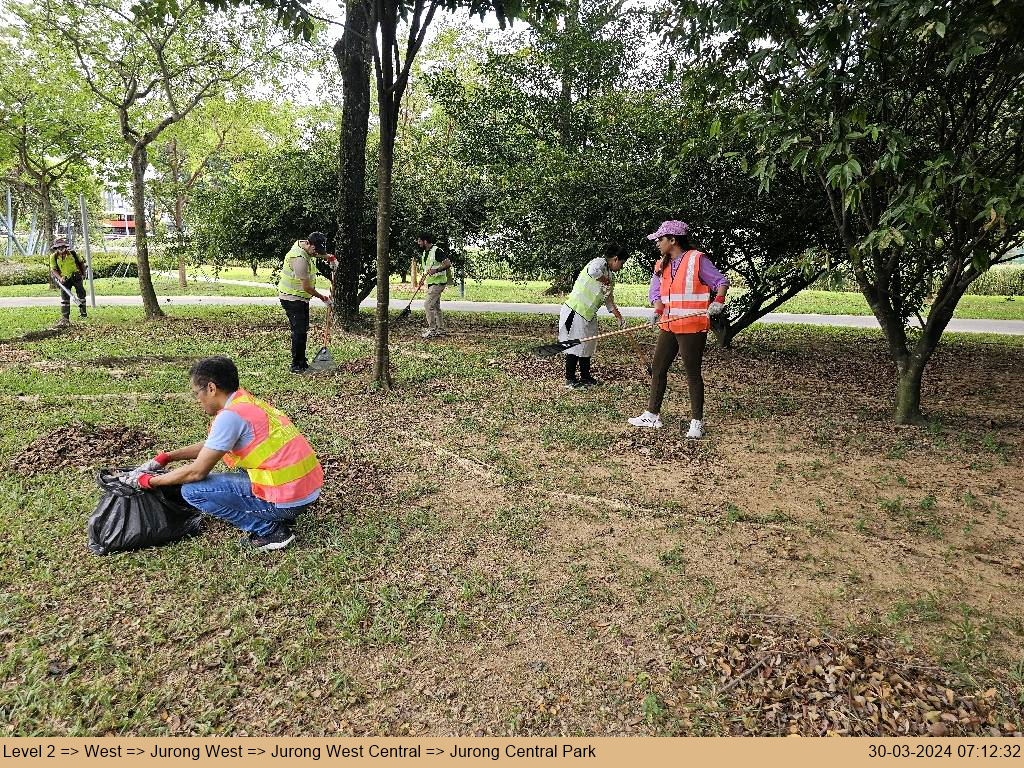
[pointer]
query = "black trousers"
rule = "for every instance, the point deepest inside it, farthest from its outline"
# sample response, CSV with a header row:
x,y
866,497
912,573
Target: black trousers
x,y
298,321
72,283
691,347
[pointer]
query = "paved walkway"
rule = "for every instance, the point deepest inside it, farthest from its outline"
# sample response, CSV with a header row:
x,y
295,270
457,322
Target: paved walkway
x,y
957,325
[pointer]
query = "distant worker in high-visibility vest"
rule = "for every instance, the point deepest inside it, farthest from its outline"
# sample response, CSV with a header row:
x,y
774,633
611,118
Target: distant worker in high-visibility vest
x,y
296,286
681,287
437,274
594,287
275,478
68,271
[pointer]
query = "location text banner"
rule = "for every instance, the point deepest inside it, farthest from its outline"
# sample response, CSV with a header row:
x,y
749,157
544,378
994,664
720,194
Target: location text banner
x,y
547,752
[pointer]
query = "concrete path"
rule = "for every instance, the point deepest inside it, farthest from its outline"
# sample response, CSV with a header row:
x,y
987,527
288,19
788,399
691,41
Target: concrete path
x,y
1005,327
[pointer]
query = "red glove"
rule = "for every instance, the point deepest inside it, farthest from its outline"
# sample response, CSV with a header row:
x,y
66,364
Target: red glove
x,y
719,299
144,482
162,458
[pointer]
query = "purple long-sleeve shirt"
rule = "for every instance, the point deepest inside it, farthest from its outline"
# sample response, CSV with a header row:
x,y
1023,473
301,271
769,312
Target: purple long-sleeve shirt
x,y
707,272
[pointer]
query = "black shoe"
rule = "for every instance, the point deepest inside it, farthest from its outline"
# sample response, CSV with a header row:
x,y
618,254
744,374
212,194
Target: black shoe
x,y
279,538
299,370
589,381
572,384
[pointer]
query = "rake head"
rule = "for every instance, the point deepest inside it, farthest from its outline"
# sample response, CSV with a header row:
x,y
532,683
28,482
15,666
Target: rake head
x,y
547,351
323,361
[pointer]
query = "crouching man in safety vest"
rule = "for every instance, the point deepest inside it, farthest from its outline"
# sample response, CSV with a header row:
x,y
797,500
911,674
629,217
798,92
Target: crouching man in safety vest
x,y
276,474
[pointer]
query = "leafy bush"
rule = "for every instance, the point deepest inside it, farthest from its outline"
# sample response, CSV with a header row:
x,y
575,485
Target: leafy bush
x,y
999,281
37,271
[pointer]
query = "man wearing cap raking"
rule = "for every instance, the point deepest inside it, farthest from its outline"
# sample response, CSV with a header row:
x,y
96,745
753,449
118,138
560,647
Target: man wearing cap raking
x,y
295,288
436,274
681,293
578,319
68,270
276,475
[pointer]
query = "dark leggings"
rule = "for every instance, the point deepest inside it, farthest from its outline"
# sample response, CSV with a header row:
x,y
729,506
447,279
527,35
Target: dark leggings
x,y
691,347
298,322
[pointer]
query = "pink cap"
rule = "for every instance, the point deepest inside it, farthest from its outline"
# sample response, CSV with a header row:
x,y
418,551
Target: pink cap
x,y
670,228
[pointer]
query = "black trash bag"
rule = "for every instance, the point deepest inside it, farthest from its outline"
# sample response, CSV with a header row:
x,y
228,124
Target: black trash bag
x,y
126,519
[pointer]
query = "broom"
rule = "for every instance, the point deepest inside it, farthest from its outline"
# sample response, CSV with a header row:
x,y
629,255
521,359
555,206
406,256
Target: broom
x,y
547,351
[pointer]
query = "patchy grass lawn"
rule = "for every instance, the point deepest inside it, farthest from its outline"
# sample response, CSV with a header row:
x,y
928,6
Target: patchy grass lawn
x,y
497,555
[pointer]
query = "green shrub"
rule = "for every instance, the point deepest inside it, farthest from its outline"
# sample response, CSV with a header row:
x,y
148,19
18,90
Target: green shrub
x,y
37,271
1005,280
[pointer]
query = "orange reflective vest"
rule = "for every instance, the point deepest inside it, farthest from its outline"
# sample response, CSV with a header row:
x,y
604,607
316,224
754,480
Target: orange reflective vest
x,y
686,294
279,461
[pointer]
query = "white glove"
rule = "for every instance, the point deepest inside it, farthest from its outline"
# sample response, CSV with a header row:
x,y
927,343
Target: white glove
x,y
148,468
716,308
606,291
654,319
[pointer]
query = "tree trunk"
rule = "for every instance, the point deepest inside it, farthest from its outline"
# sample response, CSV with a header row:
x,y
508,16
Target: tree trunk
x,y
179,233
908,392
139,162
353,55
381,358
179,212
46,230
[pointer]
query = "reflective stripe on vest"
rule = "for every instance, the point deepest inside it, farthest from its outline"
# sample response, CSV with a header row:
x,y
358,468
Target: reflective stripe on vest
x,y
288,282
686,294
65,262
586,297
429,261
279,461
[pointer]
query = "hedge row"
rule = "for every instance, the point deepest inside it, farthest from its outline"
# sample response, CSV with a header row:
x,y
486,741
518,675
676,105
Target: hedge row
x,y
37,271
1004,280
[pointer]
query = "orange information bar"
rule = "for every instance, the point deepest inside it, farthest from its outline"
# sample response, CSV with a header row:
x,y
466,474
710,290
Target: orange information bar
x,y
597,752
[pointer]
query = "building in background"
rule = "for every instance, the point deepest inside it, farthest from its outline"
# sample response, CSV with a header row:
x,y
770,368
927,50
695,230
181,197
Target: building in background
x,y
118,216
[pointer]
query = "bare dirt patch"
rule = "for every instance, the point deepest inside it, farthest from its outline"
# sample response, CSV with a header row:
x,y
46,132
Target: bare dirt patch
x,y
82,446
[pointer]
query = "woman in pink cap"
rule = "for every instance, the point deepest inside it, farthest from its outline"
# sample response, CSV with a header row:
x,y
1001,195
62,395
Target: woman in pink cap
x,y
681,288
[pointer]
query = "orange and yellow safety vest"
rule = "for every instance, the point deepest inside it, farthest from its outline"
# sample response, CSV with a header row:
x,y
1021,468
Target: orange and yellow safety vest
x,y
686,294
279,461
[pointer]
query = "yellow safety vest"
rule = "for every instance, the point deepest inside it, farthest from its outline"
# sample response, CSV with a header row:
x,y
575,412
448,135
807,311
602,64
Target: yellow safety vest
x,y
288,282
586,297
429,261
64,261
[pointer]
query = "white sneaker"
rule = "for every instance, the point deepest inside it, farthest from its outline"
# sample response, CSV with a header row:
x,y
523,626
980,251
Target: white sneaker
x,y
646,419
696,430
427,333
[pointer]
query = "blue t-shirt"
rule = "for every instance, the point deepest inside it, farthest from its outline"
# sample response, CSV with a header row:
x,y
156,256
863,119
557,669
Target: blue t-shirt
x,y
230,432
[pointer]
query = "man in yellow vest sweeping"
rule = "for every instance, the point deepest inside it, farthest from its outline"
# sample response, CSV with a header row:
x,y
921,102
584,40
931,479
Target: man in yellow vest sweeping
x,y
578,319
436,273
68,270
276,474
296,287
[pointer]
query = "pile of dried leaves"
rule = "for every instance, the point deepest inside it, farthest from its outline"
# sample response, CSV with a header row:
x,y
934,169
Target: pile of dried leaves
x,y
785,682
82,446
352,479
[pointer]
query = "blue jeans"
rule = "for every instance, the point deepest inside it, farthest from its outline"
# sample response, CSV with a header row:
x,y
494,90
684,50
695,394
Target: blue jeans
x,y
229,497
